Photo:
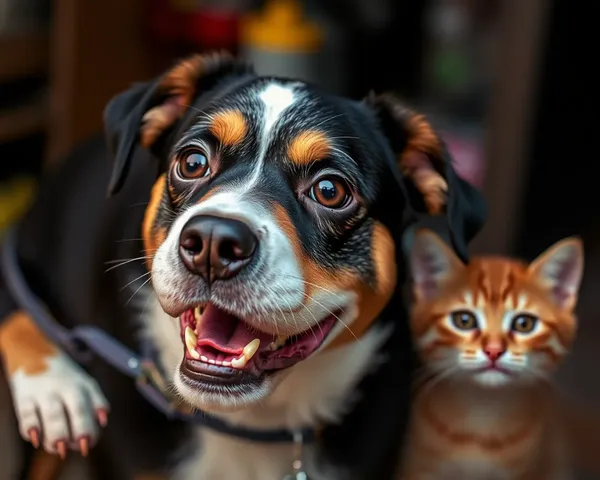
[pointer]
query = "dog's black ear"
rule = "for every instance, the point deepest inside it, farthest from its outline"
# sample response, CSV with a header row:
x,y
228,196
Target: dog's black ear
x,y
426,169
146,112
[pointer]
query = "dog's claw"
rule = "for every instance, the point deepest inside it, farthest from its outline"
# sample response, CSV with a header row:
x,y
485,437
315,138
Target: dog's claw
x,y
102,415
61,448
34,437
84,446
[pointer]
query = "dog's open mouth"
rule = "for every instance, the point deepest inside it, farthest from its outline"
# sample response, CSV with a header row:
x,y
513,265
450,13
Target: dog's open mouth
x,y
221,347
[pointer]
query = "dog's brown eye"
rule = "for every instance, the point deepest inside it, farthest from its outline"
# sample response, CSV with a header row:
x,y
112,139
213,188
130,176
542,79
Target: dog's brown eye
x,y
193,165
330,192
524,323
464,320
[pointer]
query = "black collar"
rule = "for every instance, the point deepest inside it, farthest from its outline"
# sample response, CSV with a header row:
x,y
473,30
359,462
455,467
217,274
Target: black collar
x,y
86,341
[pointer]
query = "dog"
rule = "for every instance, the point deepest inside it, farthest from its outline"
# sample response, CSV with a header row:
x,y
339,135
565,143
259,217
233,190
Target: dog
x,y
258,227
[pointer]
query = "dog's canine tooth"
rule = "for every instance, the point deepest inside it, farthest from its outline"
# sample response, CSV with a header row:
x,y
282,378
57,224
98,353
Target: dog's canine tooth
x,y
247,354
239,362
251,349
190,342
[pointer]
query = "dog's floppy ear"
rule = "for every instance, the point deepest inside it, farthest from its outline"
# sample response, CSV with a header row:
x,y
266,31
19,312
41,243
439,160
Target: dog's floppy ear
x,y
426,169
146,112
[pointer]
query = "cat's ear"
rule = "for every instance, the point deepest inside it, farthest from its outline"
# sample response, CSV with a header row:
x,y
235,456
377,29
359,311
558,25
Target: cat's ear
x,y
432,264
560,269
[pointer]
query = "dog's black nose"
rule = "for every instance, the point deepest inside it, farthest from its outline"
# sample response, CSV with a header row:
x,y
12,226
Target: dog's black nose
x,y
216,248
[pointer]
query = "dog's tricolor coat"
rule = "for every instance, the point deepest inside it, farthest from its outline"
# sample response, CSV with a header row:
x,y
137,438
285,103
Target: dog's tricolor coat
x,y
269,280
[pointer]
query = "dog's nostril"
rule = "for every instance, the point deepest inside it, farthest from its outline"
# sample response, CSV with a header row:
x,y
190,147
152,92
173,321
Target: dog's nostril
x,y
192,243
233,250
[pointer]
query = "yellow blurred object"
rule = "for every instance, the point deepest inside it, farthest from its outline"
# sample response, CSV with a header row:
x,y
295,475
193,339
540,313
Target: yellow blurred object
x,y
281,26
15,197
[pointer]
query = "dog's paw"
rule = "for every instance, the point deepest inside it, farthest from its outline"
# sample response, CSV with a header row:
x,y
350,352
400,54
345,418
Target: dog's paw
x,y
60,408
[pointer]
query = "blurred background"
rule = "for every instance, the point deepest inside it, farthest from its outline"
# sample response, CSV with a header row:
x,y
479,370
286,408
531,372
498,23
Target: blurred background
x,y
510,83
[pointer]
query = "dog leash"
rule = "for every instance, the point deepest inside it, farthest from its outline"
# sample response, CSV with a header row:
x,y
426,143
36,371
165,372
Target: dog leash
x,y
86,341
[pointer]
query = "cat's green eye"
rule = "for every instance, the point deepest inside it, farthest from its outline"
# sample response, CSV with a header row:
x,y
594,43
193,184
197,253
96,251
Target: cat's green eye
x,y
464,320
524,323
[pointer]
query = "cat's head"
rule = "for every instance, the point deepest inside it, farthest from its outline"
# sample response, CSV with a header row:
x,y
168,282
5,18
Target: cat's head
x,y
495,320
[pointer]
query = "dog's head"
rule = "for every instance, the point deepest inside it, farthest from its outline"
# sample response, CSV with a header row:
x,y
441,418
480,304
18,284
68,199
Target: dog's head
x,y
275,223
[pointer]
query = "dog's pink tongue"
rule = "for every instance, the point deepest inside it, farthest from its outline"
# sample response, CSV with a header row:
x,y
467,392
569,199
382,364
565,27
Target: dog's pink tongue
x,y
226,332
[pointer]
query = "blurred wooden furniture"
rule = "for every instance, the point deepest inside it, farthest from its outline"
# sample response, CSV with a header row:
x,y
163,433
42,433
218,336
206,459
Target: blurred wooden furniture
x,y
91,51
96,50
23,55
517,57
521,27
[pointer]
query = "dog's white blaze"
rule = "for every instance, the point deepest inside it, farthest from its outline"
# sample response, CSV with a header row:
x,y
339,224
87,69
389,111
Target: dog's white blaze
x,y
276,99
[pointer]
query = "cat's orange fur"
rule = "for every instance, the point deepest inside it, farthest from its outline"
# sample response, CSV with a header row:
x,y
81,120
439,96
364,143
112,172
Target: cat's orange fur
x,y
490,334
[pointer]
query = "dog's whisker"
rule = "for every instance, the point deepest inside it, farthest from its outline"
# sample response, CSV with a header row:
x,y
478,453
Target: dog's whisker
x,y
344,137
310,327
342,153
328,119
124,262
312,315
135,293
329,311
272,292
278,308
135,280
206,115
308,283
335,316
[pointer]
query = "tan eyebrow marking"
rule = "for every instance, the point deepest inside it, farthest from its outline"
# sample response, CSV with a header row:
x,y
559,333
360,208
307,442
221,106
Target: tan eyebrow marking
x,y
309,146
229,127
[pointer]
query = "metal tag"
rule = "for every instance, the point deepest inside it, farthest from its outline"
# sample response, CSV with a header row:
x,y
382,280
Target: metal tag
x,y
296,476
298,473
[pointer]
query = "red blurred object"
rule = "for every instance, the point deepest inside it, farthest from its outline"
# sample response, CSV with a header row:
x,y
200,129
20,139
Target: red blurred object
x,y
175,32
213,29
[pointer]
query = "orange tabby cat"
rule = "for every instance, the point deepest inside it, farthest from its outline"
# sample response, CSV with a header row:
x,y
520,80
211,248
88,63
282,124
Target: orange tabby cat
x,y
490,333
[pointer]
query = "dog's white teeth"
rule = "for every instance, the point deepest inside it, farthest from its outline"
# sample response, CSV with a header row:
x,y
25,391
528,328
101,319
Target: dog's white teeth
x,y
190,342
278,343
203,358
239,362
226,364
251,349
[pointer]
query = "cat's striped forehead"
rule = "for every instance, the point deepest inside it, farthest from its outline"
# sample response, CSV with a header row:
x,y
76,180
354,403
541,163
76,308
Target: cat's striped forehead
x,y
498,283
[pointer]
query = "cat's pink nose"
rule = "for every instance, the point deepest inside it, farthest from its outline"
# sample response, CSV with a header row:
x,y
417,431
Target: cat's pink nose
x,y
494,351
